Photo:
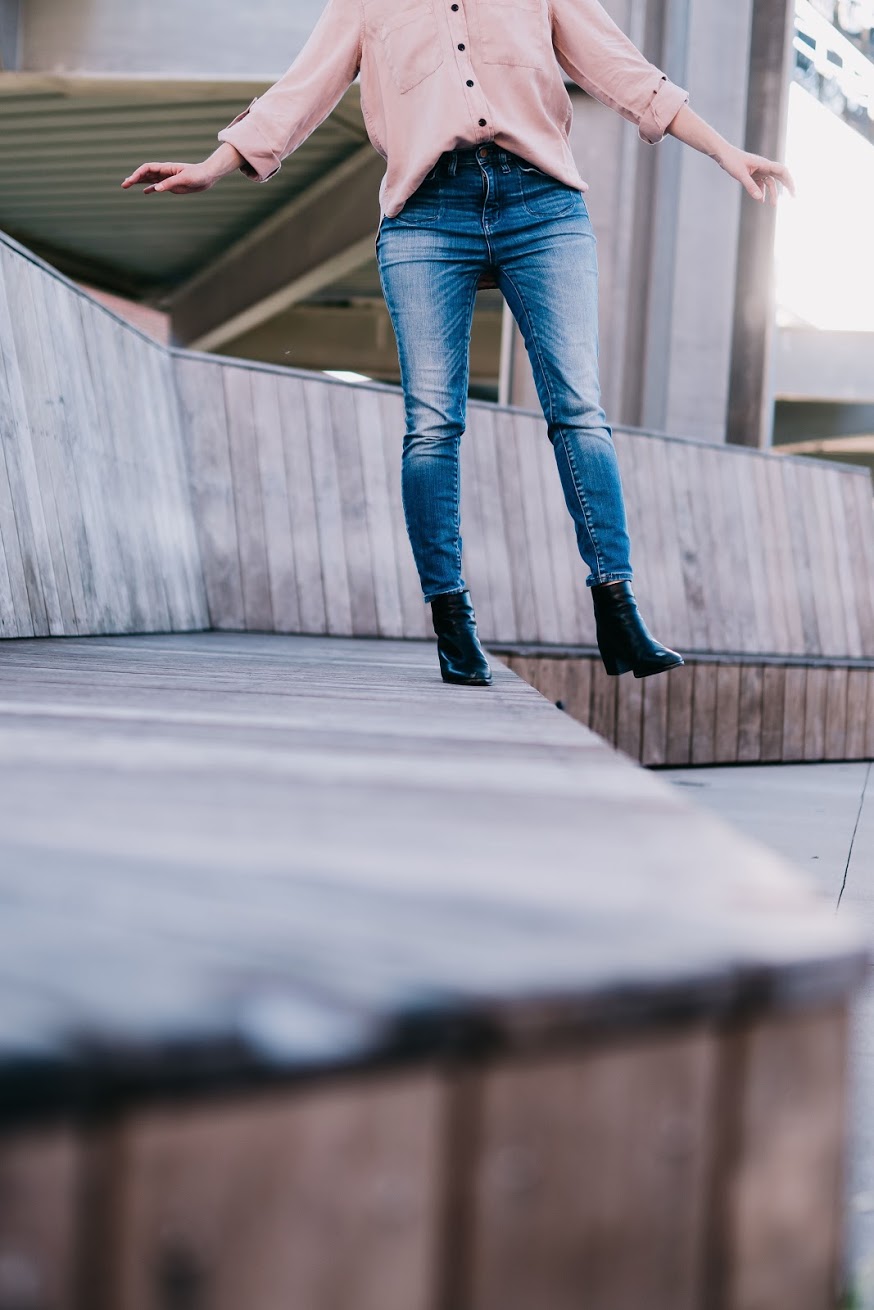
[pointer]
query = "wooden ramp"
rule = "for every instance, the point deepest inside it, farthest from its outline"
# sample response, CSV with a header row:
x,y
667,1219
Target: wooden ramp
x,y
328,987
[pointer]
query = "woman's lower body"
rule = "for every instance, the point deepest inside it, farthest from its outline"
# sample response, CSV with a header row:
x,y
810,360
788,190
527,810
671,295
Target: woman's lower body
x,y
485,211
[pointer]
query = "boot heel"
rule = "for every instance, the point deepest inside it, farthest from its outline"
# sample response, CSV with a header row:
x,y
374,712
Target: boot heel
x,y
614,666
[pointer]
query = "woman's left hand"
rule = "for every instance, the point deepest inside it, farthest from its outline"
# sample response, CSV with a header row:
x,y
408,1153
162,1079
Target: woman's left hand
x,y
756,174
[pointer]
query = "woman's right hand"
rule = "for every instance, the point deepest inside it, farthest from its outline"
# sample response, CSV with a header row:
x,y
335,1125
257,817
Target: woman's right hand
x,y
179,179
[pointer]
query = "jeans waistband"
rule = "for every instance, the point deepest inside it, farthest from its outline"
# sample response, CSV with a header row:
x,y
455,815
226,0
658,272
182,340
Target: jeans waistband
x,y
452,161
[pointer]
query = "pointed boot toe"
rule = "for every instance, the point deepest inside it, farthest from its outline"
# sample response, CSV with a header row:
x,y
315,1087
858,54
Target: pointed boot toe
x,y
625,643
462,659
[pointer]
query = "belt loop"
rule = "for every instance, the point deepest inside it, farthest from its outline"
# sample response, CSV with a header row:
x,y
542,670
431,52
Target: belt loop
x,y
505,163
453,163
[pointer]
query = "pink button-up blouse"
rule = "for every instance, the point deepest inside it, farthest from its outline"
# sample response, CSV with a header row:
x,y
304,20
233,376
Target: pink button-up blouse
x,y
448,74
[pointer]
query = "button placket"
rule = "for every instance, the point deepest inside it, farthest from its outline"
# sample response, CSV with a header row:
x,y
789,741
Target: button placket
x,y
479,104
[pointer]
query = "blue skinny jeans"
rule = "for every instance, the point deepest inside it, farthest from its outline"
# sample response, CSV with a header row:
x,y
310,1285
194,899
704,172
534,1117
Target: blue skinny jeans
x,y
487,210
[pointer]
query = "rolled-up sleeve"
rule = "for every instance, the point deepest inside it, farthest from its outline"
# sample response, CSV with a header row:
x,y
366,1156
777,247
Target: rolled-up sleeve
x,y
276,123
595,52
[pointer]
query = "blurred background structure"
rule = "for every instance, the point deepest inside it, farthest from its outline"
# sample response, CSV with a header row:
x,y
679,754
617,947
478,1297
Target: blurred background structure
x,y
698,336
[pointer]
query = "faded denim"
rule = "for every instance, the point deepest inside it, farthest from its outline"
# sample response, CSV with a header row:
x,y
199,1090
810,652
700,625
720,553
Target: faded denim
x,y
481,211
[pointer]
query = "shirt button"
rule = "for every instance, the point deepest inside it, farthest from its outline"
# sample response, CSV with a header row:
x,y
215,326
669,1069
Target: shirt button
x,y
455,9
461,45
469,83
482,122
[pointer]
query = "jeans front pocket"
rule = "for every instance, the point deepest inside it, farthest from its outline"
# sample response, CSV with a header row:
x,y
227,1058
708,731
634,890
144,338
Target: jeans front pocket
x,y
544,196
515,32
424,207
410,42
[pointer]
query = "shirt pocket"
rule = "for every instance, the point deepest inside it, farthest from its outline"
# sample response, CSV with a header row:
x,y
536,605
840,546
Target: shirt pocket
x,y
408,40
515,32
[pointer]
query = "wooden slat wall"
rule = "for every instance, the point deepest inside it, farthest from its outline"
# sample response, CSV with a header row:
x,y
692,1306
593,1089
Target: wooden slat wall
x,y
716,712
96,527
711,1153
734,550
297,525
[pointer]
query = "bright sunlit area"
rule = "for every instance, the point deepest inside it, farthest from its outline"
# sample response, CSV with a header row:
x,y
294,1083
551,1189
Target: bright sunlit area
x,y
824,273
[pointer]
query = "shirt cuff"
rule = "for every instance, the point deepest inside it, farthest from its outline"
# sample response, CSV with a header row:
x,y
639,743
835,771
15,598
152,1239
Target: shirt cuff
x,y
667,99
259,161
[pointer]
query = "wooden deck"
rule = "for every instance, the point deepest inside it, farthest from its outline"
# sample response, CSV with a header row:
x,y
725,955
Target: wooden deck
x,y
291,929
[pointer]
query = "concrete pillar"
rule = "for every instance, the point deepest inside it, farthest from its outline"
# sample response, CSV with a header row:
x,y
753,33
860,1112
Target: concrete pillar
x,y
10,11
750,407
669,221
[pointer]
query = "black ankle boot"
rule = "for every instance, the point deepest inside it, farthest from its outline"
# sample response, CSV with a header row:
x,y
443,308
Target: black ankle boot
x,y
461,656
623,639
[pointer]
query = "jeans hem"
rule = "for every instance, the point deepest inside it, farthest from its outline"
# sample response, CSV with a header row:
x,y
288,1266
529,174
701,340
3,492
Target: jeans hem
x,y
621,575
456,591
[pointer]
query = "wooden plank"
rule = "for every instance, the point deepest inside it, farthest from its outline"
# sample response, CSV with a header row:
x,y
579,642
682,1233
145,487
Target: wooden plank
x,y
827,564
604,695
751,714
857,709
205,429
859,518
40,1219
760,633
508,485
836,705
782,558
800,578
328,509
693,563
243,445
776,634
651,583
132,509
482,470
145,448
325,1199
773,712
629,714
678,627
578,1154
720,544
545,625
654,743
681,683
107,599
782,1121
814,713
416,615
300,490
46,476
272,475
847,566
793,709
704,687
24,593
577,692
350,481
379,512
189,593
727,713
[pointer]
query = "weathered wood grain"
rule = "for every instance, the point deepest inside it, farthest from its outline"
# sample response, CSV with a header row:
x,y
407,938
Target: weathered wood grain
x,y
328,1199
577,1157
750,714
40,1192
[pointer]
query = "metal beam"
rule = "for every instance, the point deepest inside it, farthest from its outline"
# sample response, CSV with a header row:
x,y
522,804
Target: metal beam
x,y
319,237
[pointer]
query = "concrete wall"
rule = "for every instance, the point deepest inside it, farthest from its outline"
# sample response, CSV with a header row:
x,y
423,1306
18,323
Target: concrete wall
x,y
208,38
